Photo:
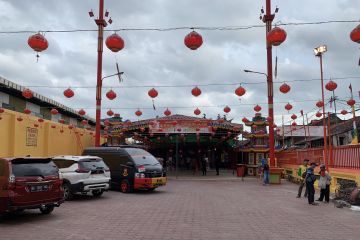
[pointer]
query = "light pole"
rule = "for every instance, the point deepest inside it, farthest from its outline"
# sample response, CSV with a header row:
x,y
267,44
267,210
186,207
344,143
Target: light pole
x,y
319,51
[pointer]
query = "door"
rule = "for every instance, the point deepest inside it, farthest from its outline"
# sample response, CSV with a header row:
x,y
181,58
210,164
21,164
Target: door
x,y
4,173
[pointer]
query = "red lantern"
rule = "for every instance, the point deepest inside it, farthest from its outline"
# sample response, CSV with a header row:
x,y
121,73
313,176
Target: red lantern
x,y
2,110
27,111
344,112
167,112
331,86
293,117
227,109
36,125
138,113
70,126
153,93
27,93
351,102
53,126
110,113
174,123
111,95
38,42
106,122
197,111
257,108
19,118
320,104
54,111
284,88
288,106
61,130
294,124
82,112
69,93
193,40
245,120
61,121
240,91
318,114
114,42
276,36
40,120
84,122
355,34
196,91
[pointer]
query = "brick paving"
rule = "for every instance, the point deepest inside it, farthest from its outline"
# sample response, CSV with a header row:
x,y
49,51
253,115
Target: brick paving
x,y
189,209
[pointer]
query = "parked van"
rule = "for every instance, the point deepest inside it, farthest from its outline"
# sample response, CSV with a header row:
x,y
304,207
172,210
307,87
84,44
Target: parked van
x,y
29,183
131,168
83,174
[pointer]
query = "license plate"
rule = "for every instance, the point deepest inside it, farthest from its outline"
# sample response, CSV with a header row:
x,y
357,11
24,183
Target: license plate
x,y
39,188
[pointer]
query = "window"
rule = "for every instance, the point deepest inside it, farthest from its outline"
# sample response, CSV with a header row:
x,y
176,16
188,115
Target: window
x,y
33,167
61,163
92,164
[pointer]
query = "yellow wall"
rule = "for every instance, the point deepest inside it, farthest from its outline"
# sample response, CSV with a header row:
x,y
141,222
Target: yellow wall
x,y
49,141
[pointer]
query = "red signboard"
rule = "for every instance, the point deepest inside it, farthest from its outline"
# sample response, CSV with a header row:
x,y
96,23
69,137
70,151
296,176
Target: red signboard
x,y
179,126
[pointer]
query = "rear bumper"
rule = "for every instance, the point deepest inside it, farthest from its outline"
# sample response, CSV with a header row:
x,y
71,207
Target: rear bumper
x,y
81,187
9,207
146,183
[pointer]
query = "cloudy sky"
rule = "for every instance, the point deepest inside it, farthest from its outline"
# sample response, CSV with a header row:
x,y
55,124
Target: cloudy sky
x,y
158,58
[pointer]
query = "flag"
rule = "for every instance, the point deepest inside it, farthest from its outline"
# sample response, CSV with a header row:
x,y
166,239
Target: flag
x,y
350,87
301,112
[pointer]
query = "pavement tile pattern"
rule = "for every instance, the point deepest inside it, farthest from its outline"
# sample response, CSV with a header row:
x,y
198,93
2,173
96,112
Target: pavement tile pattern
x,y
189,209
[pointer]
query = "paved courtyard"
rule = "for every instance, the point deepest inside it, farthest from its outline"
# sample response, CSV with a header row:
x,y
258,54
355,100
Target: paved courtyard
x,y
190,209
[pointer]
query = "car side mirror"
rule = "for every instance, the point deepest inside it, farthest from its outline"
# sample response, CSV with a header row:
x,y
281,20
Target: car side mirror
x,y
130,164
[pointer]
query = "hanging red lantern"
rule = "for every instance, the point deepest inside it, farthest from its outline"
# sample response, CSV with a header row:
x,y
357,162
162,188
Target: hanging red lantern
x,y
331,86
288,106
167,112
240,91
70,126
284,88
196,91
193,40
54,111
110,113
82,112
351,102
245,120
293,117
276,36
138,113
227,109
106,122
111,95
61,121
318,114
61,130
355,34
69,93
153,93
36,125
53,126
27,93
257,108
197,111
294,124
84,122
40,120
2,110
344,112
174,123
27,111
19,118
114,42
38,43
320,104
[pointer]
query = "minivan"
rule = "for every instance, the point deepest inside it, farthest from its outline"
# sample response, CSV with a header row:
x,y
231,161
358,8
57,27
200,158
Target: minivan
x,y
29,183
83,174
130,168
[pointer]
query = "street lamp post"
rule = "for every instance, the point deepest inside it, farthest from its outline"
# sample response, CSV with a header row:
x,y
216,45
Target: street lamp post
x,y
319,51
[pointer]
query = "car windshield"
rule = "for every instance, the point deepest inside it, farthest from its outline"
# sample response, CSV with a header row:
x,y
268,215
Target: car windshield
x,y
93,164
33,167
142,157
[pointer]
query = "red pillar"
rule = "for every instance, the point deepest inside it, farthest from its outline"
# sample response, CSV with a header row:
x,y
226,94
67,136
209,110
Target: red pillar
x,y
268,18
101,24
323,108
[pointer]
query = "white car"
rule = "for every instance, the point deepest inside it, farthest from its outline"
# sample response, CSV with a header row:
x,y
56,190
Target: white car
x,y
83,174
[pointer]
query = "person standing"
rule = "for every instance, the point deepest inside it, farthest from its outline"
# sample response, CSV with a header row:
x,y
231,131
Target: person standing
x,y
310,180
302,173
203,165
265,171
217,165
324,184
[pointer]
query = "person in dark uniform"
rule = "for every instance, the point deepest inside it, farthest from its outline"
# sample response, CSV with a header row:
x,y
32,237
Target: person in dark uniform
x,y
203,165
310,180
217,165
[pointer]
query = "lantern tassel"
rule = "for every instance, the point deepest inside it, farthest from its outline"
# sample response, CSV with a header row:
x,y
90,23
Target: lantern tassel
x,y
153,104
37,57
276,61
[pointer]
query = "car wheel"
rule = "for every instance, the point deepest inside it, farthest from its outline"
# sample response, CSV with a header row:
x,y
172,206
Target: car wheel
x,y
68,195
97,193
47,209
125,186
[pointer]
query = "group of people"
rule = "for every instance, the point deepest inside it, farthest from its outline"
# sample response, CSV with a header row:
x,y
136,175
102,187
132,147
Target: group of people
x,y
308,178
